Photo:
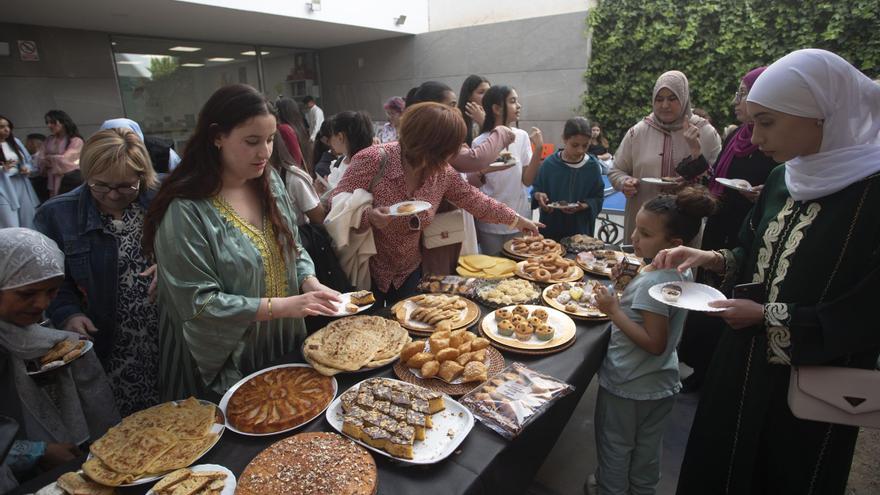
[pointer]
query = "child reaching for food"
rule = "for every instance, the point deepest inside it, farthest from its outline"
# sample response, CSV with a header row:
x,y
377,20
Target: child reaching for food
x,y
639,376
569,188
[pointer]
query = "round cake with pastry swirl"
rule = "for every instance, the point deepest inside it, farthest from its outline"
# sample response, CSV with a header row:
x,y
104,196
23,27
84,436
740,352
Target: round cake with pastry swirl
x,y
279,399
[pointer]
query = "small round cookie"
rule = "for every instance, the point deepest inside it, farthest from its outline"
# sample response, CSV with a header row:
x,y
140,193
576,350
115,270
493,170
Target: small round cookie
x,y
541,314
503,314
544,332
571,307
505,328
521,310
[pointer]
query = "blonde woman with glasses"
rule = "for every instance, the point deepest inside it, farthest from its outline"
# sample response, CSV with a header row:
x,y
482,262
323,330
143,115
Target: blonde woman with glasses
x,y
109,284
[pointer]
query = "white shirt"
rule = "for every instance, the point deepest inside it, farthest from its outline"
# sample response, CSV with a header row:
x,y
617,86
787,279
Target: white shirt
x,y
10,156
315,116
506,186
302,194
336,173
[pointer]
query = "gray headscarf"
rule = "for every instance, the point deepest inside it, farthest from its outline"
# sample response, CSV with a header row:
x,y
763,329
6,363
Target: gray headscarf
x,y
69,404
30,257
676,82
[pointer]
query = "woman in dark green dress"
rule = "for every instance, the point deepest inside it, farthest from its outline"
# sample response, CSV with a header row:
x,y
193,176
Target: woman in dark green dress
x,y
811,244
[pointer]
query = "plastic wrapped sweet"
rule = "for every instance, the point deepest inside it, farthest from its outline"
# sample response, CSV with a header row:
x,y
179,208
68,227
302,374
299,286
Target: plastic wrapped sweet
x,y
512,399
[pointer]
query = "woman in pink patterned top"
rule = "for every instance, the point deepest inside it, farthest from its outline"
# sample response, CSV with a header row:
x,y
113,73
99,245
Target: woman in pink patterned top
x,y
58,162
417,168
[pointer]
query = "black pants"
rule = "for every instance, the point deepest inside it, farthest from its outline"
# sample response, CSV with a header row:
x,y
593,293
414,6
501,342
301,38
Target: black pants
x,y
407,288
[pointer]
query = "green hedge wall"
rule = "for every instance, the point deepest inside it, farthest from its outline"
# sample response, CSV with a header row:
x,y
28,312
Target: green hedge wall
x,y
714,42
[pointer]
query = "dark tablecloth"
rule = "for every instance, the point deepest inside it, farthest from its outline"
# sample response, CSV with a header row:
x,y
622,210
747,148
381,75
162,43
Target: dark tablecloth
x,y
485,463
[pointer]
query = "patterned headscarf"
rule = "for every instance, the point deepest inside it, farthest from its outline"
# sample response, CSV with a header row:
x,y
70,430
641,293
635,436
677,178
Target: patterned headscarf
x,y
29,257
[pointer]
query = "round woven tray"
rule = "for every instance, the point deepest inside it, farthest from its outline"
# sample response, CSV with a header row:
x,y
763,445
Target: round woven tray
x,y
495,365
530,352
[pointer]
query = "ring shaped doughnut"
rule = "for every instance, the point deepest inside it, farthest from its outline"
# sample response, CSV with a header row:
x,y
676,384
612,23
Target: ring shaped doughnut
x,y
548,242
542,274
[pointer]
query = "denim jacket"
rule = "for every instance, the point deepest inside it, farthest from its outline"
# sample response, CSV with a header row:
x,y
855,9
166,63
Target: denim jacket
x,y
73,221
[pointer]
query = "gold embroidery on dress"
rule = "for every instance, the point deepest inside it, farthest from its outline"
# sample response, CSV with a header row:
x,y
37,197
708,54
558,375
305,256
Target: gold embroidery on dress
x,y
791,245
778,334
771,235
265,242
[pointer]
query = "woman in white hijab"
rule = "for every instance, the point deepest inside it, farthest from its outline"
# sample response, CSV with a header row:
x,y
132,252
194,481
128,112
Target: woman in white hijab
x,y
671,142
810,248
59,410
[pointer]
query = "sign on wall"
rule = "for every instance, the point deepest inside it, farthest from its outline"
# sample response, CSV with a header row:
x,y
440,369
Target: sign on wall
x,y
28,51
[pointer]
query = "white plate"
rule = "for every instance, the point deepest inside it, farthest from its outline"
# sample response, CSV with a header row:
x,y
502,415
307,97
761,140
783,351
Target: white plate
x,y
558,206
499,164
228,489
54,365
693,296
563,325
437,445
224,402
658,181
217,428
420,207
738,184
346,298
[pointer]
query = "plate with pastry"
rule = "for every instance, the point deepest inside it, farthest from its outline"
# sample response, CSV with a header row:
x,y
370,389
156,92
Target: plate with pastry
x,y
738,184
355,344
549,269
424,314
277,399
400,420
528,327
60,355
405,208
203,479
507,292
687,295
531,246
602,261
661,181
581,242
561,205
576,299
453,357
75,482
354,302
151,443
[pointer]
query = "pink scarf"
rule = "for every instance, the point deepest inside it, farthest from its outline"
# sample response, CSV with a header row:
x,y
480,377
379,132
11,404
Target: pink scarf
x,y
740,144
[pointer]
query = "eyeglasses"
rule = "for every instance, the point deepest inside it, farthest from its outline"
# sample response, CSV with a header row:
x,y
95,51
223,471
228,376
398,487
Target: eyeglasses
x,y
739,95
123,189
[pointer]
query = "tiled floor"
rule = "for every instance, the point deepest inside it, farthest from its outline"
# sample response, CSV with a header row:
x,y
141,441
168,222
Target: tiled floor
x,y
574,456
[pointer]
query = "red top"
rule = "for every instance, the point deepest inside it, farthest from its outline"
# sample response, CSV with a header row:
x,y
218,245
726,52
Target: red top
x,y
398,246
292,143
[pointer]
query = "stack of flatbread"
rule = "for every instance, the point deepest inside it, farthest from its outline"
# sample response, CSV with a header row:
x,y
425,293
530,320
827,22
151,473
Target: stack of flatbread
x,y
482,266
152,442
354,343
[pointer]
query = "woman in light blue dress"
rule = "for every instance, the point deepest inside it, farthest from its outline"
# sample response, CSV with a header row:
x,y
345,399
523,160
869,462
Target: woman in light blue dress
x,y
18,201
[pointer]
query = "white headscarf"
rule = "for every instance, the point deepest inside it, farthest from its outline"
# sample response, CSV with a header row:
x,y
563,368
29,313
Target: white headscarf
x,y
819,84
29,257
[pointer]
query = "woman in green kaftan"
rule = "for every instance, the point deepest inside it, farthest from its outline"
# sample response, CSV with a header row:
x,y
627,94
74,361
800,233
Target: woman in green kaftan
x,y
234,281
811,244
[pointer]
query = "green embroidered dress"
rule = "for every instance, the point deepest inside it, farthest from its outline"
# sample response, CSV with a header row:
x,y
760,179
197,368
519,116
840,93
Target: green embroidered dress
x,y
214,267
819,264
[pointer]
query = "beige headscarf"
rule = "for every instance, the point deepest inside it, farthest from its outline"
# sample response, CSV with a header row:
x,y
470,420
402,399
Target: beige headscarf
x,y
676,82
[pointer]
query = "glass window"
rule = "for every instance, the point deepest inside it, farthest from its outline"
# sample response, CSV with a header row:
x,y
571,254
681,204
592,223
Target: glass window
x,y
164,83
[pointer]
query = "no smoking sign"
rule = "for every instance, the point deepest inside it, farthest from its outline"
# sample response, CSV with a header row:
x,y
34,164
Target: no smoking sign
x,y
28,51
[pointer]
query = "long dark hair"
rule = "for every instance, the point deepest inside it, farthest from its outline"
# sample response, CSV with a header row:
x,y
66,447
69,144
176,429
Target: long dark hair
x,y
198,176
602,140
470,85
62,118
320,146
10,140
290,114
496,95
357,128
427,91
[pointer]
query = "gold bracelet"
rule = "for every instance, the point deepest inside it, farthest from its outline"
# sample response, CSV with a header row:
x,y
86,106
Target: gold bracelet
x,y
270,308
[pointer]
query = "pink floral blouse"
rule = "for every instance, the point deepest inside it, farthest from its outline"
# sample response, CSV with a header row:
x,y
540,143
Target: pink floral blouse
x,y
399,244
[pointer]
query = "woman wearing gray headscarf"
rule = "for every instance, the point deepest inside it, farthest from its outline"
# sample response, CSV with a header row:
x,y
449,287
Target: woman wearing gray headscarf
x,y
670,142
59,410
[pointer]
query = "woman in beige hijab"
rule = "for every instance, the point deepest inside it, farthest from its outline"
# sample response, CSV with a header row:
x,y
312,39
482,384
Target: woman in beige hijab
x,y
671,142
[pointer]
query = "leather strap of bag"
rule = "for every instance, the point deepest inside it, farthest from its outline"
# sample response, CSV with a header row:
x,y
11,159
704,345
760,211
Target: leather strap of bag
x,y
381,172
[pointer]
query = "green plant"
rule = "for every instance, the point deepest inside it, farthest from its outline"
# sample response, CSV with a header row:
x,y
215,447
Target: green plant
x,y
714,42
163,66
